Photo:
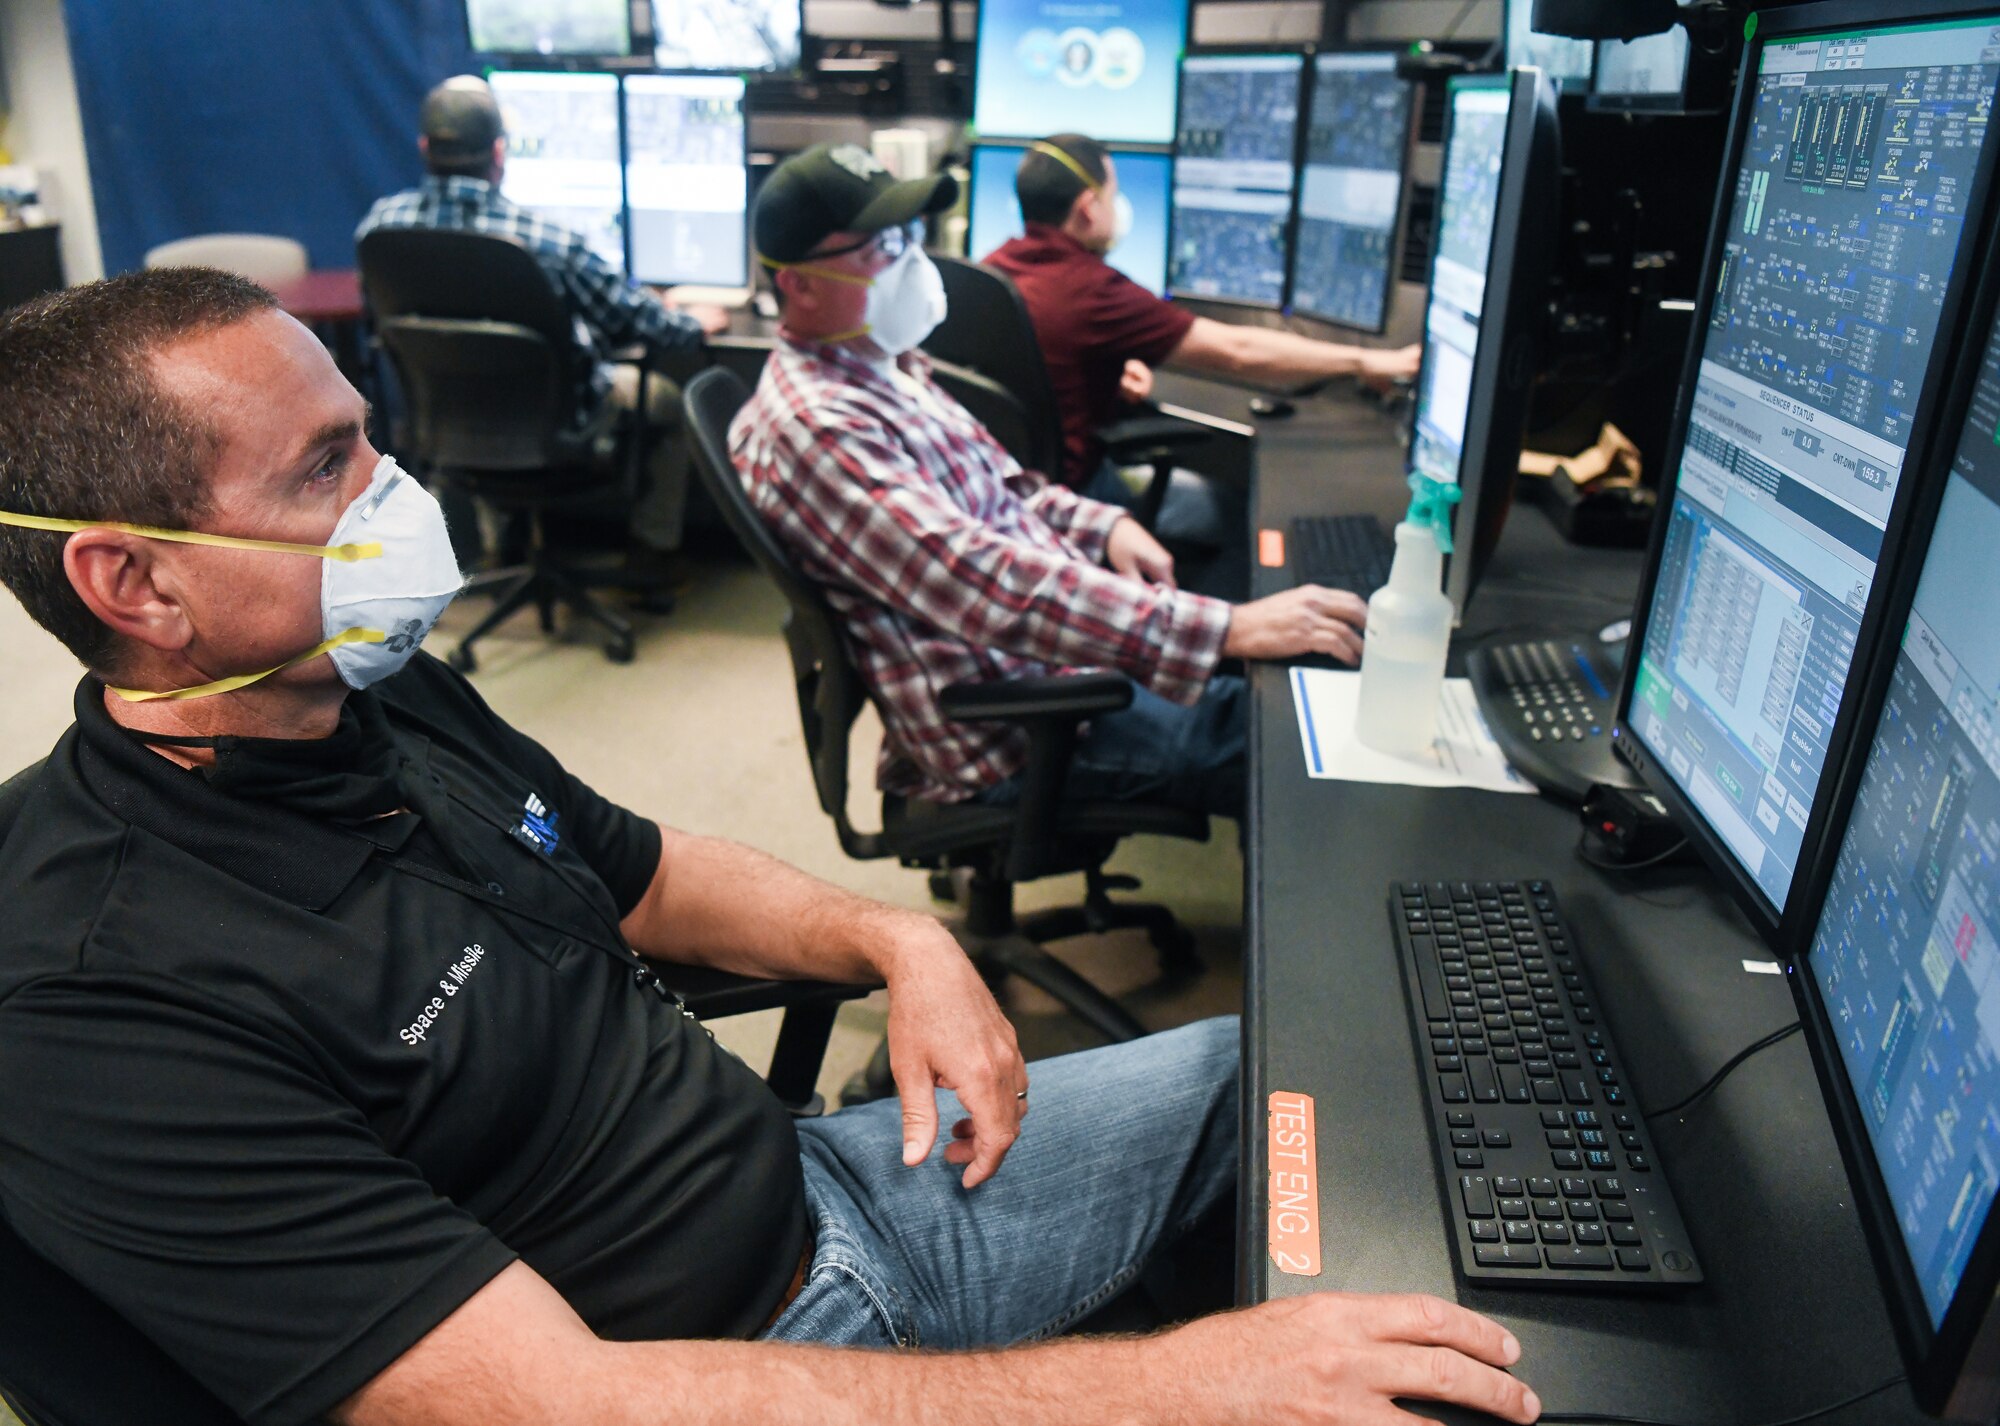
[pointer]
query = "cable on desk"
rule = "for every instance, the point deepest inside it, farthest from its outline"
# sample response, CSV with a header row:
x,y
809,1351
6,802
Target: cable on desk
x,y
1587,1418
1720,1075
1588,860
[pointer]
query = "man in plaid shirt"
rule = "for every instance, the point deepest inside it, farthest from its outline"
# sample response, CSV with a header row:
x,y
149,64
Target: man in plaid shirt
x,y
465,152
952,564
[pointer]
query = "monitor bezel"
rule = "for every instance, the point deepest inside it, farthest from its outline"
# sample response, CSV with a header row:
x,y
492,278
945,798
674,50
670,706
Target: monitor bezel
x,y
1934,1356
979,135
1780,925
1118,153
1412,121
651,40
625,174
1303,54
1507,291
521,59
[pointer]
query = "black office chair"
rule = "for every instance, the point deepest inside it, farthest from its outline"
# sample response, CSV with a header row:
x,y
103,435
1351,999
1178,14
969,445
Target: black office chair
x,y
67,1359
497,383
1041,835
987,329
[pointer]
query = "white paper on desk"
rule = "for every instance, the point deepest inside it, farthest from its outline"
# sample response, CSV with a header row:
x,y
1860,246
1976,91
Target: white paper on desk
x,y
1463,755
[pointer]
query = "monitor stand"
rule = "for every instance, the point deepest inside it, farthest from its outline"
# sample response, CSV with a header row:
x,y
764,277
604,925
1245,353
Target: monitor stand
x,y
1549,704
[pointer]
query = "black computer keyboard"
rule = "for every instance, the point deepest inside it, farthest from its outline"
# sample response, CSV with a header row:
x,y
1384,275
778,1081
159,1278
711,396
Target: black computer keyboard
x,y
1342,552
1549,1169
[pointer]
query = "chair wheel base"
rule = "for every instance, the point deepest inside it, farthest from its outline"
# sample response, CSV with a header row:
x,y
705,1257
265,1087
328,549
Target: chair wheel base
x,y
943,886
621,650
462,659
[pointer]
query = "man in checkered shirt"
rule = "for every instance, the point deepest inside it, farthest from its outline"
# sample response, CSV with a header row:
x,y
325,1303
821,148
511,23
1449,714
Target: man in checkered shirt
x,y
949,562
464,144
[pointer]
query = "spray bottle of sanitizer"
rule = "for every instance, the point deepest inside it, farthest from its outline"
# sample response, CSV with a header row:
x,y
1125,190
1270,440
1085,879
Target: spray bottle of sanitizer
x,y
1409,629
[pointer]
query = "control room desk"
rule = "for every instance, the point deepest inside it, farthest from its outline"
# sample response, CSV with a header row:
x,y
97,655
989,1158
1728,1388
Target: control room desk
x,y
1789,1318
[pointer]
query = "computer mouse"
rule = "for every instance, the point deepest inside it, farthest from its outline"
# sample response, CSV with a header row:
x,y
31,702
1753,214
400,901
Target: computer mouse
x,y
1273,408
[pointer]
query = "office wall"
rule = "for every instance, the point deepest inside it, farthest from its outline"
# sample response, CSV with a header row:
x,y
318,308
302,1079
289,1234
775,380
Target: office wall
x,y
268,116
45,128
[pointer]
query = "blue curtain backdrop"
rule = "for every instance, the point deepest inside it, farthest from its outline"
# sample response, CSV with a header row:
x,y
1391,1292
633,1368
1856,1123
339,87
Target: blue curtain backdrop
x,y
258,116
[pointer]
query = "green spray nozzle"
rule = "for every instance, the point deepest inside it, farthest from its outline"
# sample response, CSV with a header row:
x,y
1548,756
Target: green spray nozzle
x,y
1430,506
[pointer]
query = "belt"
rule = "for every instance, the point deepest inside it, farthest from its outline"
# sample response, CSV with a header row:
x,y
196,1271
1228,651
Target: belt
x,y
793,1288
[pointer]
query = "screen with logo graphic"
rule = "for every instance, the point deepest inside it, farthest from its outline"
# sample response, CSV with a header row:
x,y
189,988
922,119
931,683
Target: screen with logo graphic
x,y
1142,189
1234,170
687,179
1106,69
1847,213
562,153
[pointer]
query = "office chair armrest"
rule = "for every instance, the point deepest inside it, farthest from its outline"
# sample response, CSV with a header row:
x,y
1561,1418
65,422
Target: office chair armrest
x,y
713,994
1064,697
1148,431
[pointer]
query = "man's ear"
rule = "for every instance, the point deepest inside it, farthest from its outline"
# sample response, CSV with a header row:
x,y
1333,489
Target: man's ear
x,y
799,288
124,582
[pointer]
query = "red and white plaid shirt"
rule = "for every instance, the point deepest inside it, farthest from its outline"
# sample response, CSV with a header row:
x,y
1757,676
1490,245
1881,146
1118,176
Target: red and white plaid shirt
x,y
950,563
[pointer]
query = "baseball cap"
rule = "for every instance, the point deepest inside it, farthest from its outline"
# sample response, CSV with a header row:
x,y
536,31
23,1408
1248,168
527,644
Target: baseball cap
x,y
836,188
460,117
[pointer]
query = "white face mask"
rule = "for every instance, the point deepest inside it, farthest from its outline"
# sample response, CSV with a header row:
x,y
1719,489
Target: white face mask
x,y
400,594
905,302
1121,221
389,573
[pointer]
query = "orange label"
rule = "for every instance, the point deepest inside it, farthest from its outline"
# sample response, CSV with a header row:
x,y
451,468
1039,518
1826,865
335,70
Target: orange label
x,y
1271,548
1293,1206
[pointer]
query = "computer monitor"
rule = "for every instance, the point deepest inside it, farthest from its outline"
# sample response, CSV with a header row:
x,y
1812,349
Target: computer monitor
x,y
587,29
562,153
1899,989
729,35
1358,138
1858,164
1052,67
687,179
1652,70
1235,165
1489,272
1564,60
1143,180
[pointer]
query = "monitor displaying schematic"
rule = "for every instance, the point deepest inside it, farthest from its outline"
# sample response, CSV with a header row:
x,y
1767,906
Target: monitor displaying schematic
x,y
687,179
1346,248
1234,169
563,153
1849,200
732,35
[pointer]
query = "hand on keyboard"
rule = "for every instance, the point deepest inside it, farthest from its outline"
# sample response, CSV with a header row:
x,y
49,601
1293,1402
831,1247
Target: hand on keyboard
x,y
1305,620
1345,1357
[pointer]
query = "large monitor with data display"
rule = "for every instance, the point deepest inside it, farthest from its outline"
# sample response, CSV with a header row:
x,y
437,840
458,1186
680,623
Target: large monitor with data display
x,y
731,35
588,29
1564,60
1852,191
1358,137
1235,163
1900,990
1143,180
1489,269
1106,69
687,179
563,153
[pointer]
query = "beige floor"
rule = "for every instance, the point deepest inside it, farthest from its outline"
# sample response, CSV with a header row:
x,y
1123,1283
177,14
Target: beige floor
x,y
702,732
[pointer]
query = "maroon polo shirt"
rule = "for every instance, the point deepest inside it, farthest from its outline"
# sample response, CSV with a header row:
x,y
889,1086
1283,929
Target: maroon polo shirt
x,y
1090,319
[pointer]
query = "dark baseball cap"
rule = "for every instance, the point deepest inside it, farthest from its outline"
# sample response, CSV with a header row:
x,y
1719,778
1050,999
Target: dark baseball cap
x,y
460,117
838,188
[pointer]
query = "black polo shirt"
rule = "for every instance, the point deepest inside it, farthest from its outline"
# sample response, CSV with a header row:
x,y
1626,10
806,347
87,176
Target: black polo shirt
x,y
285,1092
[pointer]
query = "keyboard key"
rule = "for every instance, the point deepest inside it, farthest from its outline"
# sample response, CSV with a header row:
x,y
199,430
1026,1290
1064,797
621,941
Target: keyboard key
x,y
1565,1159
1513,1084
1519,1232
1634,1260
1458,1118
1507,1186
1475,1195
1576,1188
1587,1119
1577,1255
1546,1207
1638,1163
1514,1207
1576,1089
1594,1139
1541,1188
1630,1141
1450,1062
1555,1232
1465,1138
1559,1138
1497,1139
1599,1160
1616,1212
1626,1235
1610,1188
1507,1255
1555,1119
1485,1088
1589,1234
1547,1091
1452,1087
1581,1211
1484,1230
1469,1158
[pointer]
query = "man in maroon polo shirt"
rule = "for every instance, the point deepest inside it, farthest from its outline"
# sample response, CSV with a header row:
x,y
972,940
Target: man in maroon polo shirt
x,y
1102,333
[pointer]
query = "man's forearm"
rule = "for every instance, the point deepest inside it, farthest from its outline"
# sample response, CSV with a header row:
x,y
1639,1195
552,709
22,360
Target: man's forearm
x,y
719,903
1267,354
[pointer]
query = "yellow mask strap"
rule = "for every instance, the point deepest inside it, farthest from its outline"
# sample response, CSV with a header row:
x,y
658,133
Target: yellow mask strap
x,y
815,270
347,554
243,680
1043,147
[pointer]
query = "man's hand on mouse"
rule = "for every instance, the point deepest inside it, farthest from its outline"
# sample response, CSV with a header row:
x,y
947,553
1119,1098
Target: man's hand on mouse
x,y
1381,370
1343,1359
1305,620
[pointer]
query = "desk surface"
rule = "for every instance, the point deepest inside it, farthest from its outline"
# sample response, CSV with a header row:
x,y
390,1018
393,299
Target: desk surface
x,y
1790,1317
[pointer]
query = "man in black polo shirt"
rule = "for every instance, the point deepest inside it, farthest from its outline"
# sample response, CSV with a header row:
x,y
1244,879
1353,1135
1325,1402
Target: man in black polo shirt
x,y
330,1055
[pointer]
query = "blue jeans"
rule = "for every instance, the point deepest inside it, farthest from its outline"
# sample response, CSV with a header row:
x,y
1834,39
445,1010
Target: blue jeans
x,y
1126,1148
1192,756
